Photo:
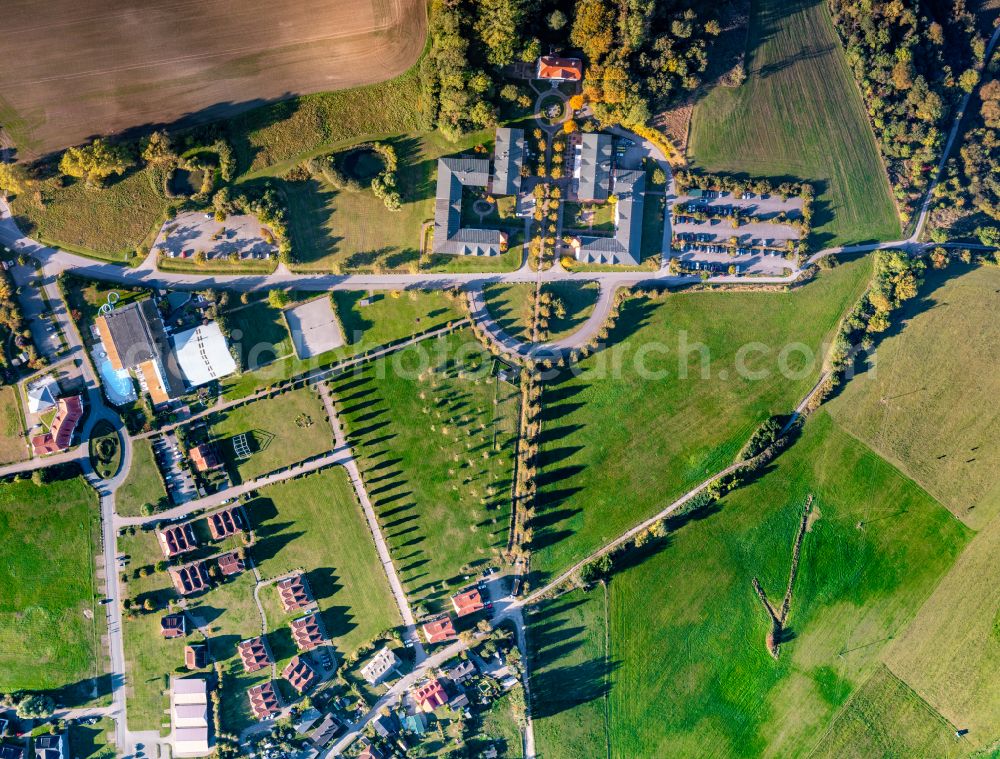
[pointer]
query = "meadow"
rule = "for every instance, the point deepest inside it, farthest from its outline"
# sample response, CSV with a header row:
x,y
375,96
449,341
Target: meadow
x,y
281,430
51,639
927,403
144,483
13,446
433,432
684,382
799,114
264,341
92,72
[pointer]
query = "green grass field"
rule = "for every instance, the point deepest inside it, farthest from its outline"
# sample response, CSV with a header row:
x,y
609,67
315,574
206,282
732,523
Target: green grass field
x,y
950,653
282,430
144,483
928,405
570,676
108,223
436,454
886,718
510,305
632,432
12,445
578,298
49,631
501,730
799,114
388,318
92,741
876,548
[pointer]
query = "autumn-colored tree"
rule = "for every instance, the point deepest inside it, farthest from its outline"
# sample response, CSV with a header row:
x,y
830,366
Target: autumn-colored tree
x,y
95,162
593,29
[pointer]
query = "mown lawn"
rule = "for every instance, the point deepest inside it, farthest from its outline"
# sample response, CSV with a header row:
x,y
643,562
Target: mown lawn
x,y
282,430
671,401
13,446
799,114
434,431
49,611
390,317
510,305
570,675
578,300
144,484
876,548
92,741
108,223
928,403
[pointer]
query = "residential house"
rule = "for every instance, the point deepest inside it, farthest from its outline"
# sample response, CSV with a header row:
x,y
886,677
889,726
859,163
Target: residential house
x,y
554,69
222,524
9,751
326,731
386,725
59,437
205,457
295,594
264,701
230,563
469,601
196,656
461,671
51,747
173,626
379,666
190,578
299,674
308,632
177,539
439,629
254,654
430,695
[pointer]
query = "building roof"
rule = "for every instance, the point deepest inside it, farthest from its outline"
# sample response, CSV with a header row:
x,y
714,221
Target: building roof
x,y
177,539
42,394
560,69
430,695
151,376
173,626
230,563
386,724
204,457
190,578
254,653
130,333
195,656
308,632
508,157
189,716
461,671
203,354
51,747
264,701
625,247
439,629
294,592
227,522
191,741
69,411
299,674
189,690
7,751
326,730
468,601
381,663
593,166
454,173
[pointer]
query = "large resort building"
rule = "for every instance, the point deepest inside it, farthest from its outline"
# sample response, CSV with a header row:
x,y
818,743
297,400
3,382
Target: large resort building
x,y
134,339
455,173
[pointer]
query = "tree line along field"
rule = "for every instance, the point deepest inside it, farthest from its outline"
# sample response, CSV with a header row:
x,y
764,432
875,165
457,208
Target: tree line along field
x,y
618,445
434,432
687,670
74,71
50,621
799,114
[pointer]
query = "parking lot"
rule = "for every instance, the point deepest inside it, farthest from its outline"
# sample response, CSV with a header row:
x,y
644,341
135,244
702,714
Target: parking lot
x,y
192,232
179,482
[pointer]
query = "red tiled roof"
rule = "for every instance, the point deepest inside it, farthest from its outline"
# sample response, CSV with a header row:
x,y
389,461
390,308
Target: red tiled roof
x,y
254,654
230,563
550,67
467,602
227,522
190,578
177,539
196,656
204,457
173,626
69,411
299,674
308,632
430,695
294,593
439,629
264,701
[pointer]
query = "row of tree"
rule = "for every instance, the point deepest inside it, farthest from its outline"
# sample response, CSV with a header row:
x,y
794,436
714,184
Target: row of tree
x,y
913,60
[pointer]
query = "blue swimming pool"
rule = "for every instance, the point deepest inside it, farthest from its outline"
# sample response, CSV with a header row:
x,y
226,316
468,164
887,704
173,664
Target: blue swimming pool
x,y
118,385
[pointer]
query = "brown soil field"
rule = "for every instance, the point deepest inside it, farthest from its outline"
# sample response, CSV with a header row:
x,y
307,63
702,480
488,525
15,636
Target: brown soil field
x,y
75,69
